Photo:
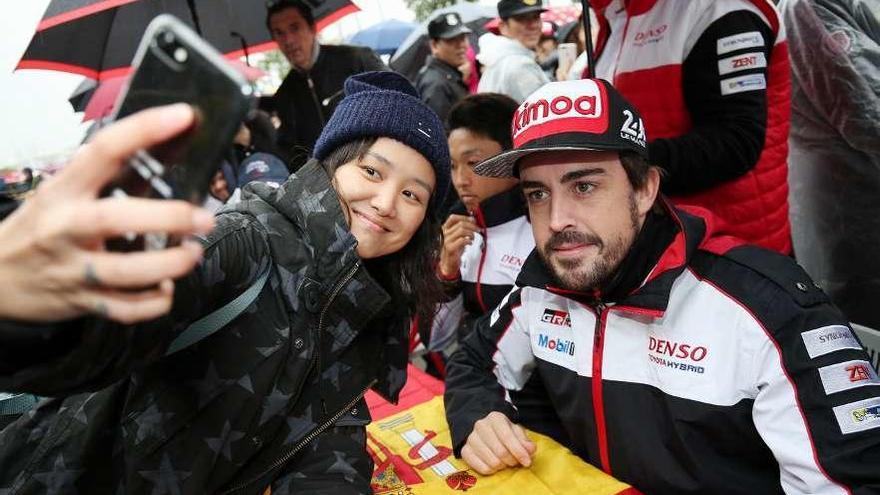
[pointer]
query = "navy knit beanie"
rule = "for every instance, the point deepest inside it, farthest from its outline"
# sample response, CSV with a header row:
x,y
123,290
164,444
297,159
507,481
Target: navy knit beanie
x,y
385,104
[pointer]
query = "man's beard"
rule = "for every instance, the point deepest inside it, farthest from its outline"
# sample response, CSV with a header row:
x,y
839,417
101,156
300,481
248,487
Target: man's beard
x,y
566,272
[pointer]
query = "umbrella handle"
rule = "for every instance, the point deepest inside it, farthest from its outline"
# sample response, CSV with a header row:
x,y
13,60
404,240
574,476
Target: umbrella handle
x,y
588,38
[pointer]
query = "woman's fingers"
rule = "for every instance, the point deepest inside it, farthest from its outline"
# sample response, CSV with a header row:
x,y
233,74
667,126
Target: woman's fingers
x,y
140,269
114,144
129,307
115,217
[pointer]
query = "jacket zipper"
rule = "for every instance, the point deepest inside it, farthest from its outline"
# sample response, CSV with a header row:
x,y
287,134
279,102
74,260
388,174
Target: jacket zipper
x,y
315,98
598,404
316,360
305,441
333,294
481,222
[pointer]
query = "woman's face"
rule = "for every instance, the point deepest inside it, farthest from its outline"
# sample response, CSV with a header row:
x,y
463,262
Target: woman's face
x,y
385,196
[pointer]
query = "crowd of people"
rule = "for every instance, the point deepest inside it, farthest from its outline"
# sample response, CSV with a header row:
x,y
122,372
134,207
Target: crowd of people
x,y
599,254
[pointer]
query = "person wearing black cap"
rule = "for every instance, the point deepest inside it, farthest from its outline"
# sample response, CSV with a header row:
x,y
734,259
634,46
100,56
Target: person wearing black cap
x,y
344,250
441,81
509,59
672,357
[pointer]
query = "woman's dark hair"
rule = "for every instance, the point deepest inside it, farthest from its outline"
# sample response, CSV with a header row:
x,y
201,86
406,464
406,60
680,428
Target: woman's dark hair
x,y
263,133
486,114
408,275
275,6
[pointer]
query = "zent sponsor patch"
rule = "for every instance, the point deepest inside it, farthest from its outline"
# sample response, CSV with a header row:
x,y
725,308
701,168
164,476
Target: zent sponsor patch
x,y
846,376
737,63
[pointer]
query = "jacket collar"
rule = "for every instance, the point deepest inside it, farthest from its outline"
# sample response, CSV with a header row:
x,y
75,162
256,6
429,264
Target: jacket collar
x,y
444,67
633,7
660,253
496,210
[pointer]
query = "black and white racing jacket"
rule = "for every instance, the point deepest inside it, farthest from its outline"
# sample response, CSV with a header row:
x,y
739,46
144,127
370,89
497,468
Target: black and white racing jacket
x,y
489,265
705,366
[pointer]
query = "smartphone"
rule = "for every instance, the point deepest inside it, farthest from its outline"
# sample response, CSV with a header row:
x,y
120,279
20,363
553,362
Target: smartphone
x,y
173,64
567,54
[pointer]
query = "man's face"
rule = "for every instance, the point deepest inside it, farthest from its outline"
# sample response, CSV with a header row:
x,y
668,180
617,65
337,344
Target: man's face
x,y
525,28
295,38
584,212
453,51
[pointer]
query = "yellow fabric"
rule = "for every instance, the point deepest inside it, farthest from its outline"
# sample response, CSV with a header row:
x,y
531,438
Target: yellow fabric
x,y
555,470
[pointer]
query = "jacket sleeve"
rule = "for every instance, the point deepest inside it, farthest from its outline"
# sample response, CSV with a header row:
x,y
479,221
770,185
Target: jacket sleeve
x,y
493,359
835,59
526,77
817,405
90,353
726,99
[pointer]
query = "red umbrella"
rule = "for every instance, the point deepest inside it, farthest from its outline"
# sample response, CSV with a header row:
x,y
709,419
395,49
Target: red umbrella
x,y
98,38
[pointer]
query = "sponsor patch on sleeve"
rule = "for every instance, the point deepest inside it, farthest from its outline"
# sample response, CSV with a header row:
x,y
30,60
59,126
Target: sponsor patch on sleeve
x,y
746,61
740,41
824,340
858,416
741,84
845,376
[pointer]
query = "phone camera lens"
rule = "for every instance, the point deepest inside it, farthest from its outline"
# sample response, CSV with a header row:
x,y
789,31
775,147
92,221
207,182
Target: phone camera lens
x,y
180,54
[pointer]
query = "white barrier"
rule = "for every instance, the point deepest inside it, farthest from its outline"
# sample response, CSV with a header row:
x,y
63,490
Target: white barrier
x,y
871,340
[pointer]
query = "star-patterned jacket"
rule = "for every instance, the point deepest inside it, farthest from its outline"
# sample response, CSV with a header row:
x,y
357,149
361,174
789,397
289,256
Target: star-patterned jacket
x,y
274,399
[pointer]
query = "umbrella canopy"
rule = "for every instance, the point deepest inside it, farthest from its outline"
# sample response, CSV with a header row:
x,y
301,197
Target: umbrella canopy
x,y
96,99
98,38
384,37
410,57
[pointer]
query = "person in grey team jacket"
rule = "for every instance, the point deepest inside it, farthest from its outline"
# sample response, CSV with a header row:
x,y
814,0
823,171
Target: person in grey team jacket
x,y
275,399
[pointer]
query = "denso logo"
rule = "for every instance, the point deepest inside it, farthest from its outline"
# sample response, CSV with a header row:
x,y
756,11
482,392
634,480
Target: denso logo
x,y
542,110
512,261
556,317
652,35
558,345
677,350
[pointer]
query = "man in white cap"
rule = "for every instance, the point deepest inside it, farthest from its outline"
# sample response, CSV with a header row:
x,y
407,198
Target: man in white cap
x,y
673,358
509,59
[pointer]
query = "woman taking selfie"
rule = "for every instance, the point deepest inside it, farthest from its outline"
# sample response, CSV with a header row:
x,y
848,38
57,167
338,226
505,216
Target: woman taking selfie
x,y
275,397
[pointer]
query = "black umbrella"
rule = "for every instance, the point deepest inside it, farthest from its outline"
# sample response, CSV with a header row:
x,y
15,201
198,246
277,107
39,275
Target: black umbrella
x,y
410,57
98,38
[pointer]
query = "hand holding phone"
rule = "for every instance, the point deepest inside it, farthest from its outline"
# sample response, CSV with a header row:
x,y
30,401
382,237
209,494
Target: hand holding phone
x,y
173,65
567,55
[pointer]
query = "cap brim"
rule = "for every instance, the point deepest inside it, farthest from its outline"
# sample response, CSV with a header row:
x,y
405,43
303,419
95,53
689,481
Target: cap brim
x,y
527,10
458,31
504,164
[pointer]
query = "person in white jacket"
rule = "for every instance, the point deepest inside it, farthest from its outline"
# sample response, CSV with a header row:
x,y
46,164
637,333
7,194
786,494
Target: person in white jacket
x,y
509,59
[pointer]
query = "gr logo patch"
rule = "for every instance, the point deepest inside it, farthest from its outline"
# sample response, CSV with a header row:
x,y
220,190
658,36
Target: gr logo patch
x,y
858,416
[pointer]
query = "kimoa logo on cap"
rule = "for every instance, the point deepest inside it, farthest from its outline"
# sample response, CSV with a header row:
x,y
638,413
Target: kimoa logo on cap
x,y
560,107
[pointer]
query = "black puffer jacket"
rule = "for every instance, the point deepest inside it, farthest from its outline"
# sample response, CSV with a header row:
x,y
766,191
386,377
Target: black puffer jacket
x,y
306,99
275,398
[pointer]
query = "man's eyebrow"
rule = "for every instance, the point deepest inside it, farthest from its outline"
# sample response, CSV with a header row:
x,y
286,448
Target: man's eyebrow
x,y
568,177
577,174
390,164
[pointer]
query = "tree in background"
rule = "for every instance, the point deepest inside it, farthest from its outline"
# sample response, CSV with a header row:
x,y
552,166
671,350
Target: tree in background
x,y
423,8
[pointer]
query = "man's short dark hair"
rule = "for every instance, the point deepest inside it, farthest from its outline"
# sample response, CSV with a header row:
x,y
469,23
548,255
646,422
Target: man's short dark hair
x,y
636,168
486,114
275,6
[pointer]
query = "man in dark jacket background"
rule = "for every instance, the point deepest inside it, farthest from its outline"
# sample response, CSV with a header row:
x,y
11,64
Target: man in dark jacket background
x,y
441,81
309,94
